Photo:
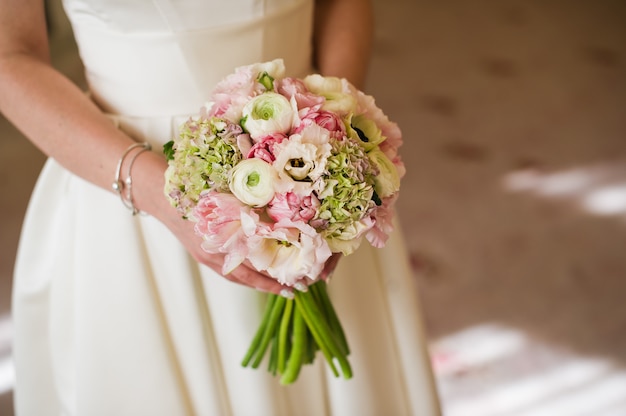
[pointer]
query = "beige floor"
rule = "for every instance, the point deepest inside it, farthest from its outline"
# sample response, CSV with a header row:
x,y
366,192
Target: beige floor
x,y
514,206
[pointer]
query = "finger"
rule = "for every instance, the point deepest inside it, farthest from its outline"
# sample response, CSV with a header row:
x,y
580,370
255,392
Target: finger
x,y
330,266
247,276
252,278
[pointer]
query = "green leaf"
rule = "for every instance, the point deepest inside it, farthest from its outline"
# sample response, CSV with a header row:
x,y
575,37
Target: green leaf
x,y
168,150
266,80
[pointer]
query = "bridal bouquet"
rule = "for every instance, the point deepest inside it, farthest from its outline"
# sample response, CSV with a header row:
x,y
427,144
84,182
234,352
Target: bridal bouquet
x,y
283,172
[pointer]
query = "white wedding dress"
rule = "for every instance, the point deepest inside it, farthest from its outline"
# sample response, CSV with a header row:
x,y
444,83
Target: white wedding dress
x,y
113,318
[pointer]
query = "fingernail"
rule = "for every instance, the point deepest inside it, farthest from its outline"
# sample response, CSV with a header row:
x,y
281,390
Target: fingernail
x,y
287,293
301,287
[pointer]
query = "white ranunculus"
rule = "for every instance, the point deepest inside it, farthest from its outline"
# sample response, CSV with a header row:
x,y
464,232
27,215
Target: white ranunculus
x,y
323,85
339,103
252,182
387,182
275,68
266,114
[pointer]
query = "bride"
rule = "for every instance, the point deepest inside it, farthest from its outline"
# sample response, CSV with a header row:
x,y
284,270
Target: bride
x,y
121,314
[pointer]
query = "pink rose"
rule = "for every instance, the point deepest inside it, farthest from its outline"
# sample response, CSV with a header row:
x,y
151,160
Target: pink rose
x,y
325,119
293,207
264,148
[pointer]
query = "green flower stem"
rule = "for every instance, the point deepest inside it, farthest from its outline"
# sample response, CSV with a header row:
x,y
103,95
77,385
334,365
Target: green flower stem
x,y
321,331
283,334
300,341
277,309
325,338
260,331
273,363
311,347
320,339
297,329
333,320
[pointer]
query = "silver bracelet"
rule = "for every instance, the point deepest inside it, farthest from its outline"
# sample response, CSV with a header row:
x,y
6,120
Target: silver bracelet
x,y
118,185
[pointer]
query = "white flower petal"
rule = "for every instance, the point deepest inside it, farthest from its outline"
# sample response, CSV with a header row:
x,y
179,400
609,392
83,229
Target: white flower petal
x,y
252,182
268,113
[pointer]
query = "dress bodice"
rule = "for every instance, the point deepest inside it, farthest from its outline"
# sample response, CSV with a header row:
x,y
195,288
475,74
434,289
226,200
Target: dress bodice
x,y
163,57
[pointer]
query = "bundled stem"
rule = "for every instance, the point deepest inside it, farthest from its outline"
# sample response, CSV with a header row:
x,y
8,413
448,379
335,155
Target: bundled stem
x,y
284,342
299,347
295,329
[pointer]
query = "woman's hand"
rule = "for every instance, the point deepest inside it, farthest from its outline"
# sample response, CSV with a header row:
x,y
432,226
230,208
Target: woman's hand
x,y
184,231
243,274
148,185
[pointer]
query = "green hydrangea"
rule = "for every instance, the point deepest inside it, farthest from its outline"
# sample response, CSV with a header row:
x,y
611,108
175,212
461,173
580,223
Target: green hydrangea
x,y
201,158
349,192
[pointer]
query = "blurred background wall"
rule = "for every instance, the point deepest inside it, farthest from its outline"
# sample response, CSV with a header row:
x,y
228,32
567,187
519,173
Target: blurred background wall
x,y
513,207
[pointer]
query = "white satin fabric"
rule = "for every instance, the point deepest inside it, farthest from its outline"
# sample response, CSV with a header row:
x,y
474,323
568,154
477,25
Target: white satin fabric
x,y
112,317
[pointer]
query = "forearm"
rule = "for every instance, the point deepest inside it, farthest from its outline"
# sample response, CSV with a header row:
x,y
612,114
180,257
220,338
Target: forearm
x,y
66,125
343,38
59,118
